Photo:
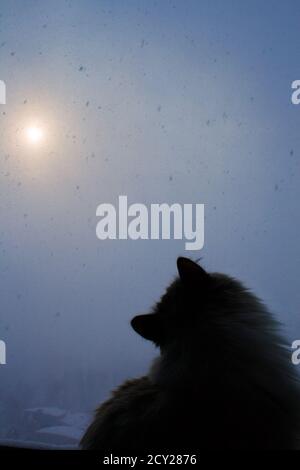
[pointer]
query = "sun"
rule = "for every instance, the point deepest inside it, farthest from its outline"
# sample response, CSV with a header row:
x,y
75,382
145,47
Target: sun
x,y
34,134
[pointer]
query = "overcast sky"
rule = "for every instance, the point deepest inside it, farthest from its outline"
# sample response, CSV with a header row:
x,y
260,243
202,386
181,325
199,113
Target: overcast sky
x,y
174,101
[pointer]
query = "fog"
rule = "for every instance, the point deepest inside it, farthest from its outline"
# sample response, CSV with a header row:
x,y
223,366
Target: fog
x,y
184,102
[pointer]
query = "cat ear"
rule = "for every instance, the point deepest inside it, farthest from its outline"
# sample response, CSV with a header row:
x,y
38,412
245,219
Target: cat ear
x,y
148,326
191,273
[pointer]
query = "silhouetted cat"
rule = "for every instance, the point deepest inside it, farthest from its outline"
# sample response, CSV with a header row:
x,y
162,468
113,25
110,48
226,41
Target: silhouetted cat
x,y
223,380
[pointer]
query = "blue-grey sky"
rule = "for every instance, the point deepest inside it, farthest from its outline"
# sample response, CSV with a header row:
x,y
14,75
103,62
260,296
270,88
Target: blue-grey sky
x,y
163,101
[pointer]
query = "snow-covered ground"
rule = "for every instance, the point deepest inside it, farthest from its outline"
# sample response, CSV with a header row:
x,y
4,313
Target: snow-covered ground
x,y
35,445
49,427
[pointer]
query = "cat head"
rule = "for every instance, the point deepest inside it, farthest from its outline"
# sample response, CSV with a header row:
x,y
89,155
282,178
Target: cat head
x,y
199,303
184,300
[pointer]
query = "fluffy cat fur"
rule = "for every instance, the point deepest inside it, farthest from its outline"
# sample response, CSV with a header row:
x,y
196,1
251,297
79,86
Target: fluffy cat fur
x,y
223,379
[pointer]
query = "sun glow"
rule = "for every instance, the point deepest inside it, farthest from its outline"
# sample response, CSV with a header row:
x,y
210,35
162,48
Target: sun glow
x,y
34,134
